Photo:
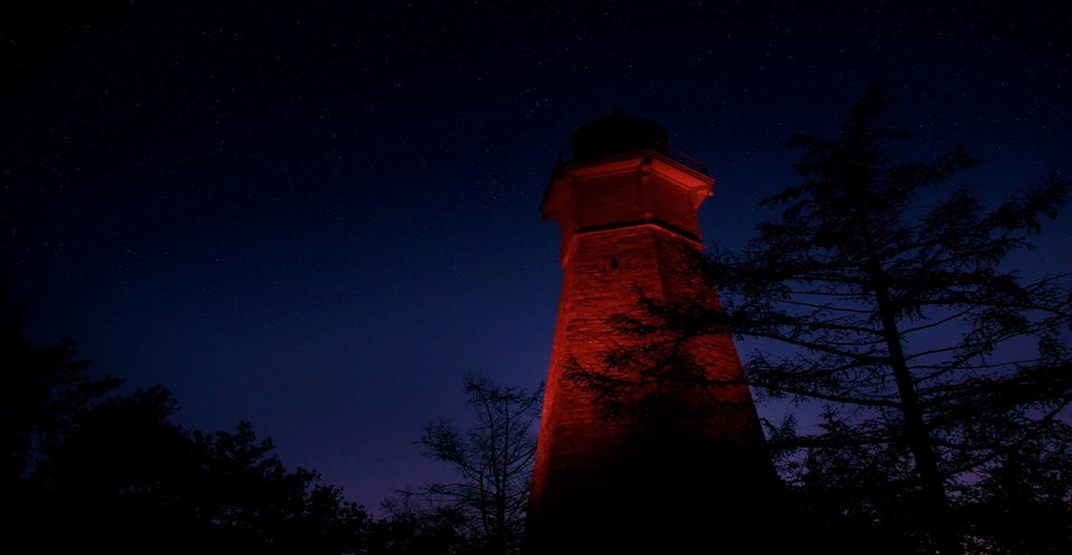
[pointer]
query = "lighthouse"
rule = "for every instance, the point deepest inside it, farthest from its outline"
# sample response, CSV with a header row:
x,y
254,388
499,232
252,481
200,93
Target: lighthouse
x,y
631,481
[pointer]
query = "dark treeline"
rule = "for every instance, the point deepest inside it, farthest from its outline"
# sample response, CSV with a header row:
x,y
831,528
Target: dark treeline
x,y
90,469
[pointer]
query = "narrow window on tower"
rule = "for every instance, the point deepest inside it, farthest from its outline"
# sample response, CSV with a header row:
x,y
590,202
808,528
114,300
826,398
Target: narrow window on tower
x,y
613,263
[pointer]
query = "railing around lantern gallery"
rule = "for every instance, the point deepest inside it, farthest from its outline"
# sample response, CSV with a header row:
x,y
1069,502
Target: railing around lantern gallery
x,y
679,156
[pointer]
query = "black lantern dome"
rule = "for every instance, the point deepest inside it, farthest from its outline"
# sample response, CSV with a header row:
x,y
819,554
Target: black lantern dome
x,y
617,133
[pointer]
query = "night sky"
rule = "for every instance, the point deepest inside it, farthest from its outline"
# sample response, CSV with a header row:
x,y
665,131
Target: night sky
x,y
318,218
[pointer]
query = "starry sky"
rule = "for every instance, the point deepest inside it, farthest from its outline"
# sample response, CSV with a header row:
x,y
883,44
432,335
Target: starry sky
x,y
318,216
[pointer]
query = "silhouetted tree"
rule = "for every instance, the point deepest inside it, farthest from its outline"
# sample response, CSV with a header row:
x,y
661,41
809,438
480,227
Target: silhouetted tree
x,y
256,501
419,525
944,371
1023,504
126,479
41,389
91,470
493,459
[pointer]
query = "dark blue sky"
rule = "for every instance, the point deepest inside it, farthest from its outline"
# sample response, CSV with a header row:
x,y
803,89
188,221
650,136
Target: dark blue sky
x,y
318,218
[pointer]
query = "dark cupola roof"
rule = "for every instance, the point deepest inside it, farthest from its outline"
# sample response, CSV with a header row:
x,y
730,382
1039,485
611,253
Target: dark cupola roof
x,y
617,133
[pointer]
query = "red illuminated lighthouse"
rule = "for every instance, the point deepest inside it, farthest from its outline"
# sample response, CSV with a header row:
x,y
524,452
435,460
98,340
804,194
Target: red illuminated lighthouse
x,y
614,482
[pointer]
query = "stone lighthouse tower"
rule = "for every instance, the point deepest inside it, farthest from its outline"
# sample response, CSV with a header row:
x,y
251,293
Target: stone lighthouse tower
x,y
690,461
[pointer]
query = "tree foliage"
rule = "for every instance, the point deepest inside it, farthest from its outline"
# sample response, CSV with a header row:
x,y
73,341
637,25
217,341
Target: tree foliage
x,y
886,292
89,469
41,390
493,459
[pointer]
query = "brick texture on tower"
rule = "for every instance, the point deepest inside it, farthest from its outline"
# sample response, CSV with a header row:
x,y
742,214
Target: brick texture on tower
x,y
627,206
